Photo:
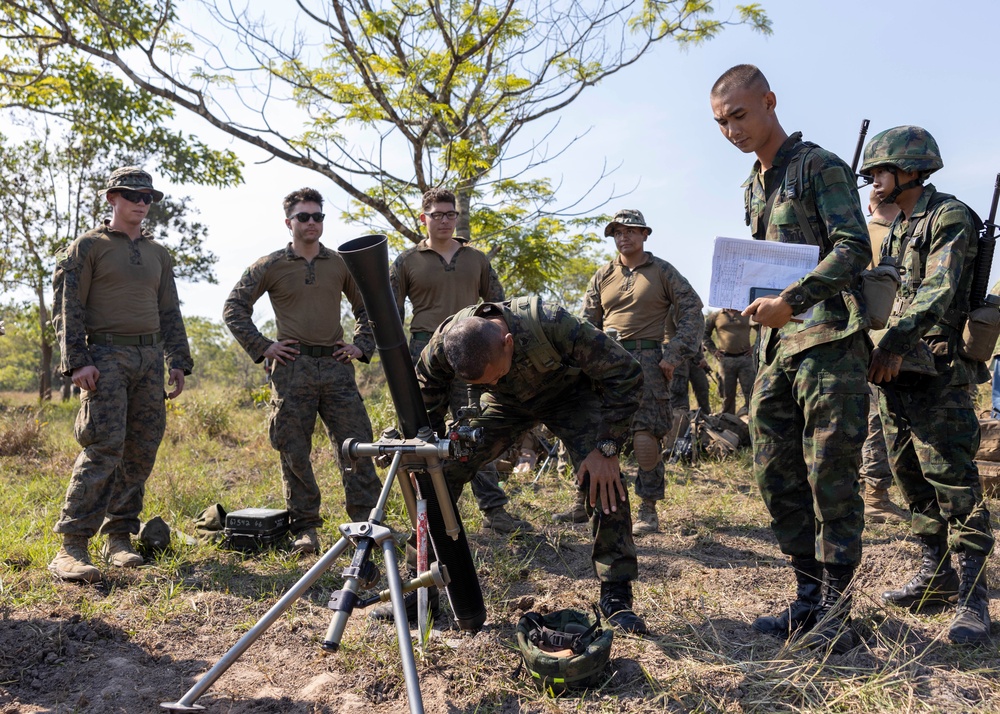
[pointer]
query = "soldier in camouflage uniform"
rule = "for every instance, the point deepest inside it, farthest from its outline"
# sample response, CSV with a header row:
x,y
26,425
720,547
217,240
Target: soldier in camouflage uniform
x,y
810,397
312,372
734,354
630,297
441,275
930,423
116,315
539,364
876,476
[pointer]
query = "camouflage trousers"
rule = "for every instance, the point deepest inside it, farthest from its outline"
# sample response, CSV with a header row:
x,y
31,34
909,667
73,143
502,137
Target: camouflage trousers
x,y
807,422
654,416
486,483
931,436
874,461
301,391
689,372
733,371
120,425
571,417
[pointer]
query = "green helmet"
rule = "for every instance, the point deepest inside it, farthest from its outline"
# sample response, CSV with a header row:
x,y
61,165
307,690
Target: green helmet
x,y
564,650
909,148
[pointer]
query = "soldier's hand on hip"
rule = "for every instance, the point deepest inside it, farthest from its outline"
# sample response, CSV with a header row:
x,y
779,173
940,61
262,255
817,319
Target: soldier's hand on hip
x,y
177,382
667,369
884,366
86,377
346,352
605,480
769,311
281,351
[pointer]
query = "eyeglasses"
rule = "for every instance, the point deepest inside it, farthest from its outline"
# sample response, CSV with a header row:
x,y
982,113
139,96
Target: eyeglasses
x,y
136,196
450,215
304,217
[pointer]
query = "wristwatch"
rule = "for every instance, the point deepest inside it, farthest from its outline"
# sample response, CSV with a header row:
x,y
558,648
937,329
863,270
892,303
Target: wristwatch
x,y
608,447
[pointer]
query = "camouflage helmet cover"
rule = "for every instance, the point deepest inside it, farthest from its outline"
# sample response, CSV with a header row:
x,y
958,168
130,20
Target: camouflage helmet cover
x,y
909,148
626,217
561,669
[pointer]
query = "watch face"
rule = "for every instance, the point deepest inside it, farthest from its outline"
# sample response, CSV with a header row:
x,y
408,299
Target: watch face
x,y
608,447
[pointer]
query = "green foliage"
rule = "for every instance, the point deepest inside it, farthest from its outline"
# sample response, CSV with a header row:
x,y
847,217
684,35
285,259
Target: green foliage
x,y
19,348
218,358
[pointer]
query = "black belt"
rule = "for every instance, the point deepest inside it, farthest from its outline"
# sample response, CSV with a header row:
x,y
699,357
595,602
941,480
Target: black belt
x,y
315,350
421,335
125,340
640,344
736,354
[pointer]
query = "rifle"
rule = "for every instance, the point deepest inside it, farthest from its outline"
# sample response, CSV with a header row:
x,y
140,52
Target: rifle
x,y
858,148
984,255
683,445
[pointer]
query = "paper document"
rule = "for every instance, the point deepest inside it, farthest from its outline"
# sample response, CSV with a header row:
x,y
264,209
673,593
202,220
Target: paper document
x,y
739,264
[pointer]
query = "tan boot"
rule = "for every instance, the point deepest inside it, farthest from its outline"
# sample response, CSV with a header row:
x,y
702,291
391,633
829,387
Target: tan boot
x,y
72,562
498,520
577,514
879,509
119,551
306,542
646,521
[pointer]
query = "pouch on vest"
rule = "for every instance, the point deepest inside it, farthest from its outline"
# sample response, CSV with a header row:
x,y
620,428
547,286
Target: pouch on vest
x,y
878,289
979,337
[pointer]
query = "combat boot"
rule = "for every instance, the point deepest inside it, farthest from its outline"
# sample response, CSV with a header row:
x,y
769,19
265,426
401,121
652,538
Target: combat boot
x,y
801,612
935,583
879,509
384,611
119,551
616,604
646,521
971,625
306,542
832,630
497,520
72,562
577,514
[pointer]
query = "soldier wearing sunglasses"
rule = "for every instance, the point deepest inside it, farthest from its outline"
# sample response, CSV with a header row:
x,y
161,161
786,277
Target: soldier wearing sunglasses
x,y
117,319
440,276
312,371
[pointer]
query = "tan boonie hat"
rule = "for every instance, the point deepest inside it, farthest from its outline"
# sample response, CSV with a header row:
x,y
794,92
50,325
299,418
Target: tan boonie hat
x,y
131,178
626,217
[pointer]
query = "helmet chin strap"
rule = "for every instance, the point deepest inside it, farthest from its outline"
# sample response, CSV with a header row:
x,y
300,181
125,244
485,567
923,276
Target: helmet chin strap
x,y
894,194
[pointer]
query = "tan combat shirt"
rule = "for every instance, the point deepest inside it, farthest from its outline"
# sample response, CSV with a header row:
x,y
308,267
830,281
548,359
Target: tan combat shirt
x,y
732,330
306,298
436,289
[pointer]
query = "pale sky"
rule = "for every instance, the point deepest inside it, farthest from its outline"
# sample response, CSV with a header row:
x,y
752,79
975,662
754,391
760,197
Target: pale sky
x,y
831,64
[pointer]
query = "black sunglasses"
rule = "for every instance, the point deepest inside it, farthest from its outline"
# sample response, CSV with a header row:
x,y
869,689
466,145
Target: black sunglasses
x,y
304,217
136,196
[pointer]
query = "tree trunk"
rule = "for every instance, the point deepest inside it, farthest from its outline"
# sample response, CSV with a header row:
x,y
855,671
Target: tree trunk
x,y
45,369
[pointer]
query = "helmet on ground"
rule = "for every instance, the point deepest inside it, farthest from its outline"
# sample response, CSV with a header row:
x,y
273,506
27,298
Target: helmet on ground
x,y
565,649
909,148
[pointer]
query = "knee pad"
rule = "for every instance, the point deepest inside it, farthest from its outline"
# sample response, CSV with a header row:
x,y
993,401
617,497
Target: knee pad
x,y
647,450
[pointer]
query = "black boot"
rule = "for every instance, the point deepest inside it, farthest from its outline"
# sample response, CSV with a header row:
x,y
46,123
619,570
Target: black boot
x,y
616,604
832,630
935,583
801,612
971,625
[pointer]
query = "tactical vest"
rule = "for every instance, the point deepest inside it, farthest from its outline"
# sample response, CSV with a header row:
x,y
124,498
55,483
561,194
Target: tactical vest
x,y
540,352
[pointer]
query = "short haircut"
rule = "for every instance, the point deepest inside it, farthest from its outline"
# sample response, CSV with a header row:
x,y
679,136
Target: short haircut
x,y
472,343
437,195
742,76
303,194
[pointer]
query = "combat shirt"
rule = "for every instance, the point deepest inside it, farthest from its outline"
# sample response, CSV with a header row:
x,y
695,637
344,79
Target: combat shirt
x,y
438,289
306,297
590,360
732,329
106,283
829,197
945,279
636,303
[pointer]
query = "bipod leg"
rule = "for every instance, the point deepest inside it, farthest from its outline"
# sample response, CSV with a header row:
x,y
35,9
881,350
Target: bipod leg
x,y
187,702
402,629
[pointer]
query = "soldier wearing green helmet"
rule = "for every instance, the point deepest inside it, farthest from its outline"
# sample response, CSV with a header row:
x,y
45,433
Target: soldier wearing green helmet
x,y
930,422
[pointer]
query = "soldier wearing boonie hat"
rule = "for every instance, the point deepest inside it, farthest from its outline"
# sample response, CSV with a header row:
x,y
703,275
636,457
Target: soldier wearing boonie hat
x,y
115,327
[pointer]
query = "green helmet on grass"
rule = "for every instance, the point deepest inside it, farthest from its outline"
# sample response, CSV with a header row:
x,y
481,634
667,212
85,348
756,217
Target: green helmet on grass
x,y
564,650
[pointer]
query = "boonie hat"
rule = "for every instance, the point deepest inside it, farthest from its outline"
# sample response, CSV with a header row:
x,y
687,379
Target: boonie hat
x,y
131,178
626,217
